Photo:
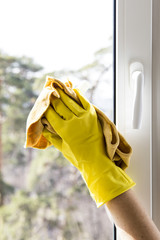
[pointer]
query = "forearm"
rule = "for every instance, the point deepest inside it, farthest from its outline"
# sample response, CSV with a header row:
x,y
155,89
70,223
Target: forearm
x,y
129,215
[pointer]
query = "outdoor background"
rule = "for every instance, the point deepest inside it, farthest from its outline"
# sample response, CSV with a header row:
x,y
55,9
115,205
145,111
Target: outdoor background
x,y
42,196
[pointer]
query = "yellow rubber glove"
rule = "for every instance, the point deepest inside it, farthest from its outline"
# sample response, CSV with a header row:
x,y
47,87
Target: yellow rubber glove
x,y
82,142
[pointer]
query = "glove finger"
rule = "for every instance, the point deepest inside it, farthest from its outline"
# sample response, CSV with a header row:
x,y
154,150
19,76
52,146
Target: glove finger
x,y
61,108
54,119
53,138
82,99
70,103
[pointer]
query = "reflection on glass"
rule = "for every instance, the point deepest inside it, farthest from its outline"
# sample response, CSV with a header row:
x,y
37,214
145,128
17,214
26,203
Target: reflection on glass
x,y
42,195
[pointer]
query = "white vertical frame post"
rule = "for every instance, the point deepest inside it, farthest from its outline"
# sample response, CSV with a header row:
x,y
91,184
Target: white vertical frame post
x,y
156,111
134,44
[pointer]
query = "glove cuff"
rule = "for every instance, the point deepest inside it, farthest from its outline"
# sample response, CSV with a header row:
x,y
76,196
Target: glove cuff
x,y
109,185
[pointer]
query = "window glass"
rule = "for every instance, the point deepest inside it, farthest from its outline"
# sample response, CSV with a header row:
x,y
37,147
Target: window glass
x,y
42,195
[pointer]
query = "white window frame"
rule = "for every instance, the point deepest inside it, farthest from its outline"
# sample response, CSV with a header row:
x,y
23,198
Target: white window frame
x,y
156,112
134,43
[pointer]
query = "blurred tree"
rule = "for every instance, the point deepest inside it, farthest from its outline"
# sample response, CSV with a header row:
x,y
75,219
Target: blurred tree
x,y
17,97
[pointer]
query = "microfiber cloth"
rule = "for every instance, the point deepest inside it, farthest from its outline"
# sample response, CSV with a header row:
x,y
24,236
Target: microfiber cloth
x,y
117,148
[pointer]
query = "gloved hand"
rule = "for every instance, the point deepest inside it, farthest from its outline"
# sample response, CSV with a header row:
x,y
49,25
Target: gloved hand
x,y
82,142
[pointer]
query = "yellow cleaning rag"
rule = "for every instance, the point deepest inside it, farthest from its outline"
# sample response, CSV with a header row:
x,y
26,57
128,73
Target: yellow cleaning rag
x,y
118,150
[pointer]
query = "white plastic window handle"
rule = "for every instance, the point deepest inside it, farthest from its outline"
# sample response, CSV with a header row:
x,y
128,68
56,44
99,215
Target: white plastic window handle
x,y
137,85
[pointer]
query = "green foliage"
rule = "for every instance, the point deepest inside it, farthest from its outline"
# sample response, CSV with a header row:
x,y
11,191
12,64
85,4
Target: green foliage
x,y
7,188
17,75
32,217
26,215
43,162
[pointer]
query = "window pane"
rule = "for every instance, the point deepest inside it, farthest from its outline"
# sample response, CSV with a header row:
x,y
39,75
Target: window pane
x,y
44,197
